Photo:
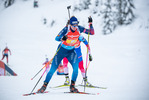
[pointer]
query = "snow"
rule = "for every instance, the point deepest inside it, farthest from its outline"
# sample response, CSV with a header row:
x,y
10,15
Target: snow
x,y
120,60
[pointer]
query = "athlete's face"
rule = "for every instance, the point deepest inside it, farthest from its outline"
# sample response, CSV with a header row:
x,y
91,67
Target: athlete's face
x,y
74,27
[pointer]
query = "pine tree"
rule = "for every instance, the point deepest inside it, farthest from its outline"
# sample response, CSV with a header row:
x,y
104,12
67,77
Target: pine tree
x,y
125,12
96,5
109,21
84,5
116,12
8,3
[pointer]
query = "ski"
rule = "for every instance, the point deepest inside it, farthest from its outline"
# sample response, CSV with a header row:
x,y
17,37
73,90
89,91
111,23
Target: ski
x,y
60,86
92,86
82,93
34,93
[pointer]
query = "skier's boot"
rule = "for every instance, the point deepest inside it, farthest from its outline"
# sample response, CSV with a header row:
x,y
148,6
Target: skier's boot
x,y
72,87
86,82
43,88
67,81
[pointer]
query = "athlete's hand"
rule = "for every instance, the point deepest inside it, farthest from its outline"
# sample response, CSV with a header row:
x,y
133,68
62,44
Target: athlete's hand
x,y
90,57
90,20
64,38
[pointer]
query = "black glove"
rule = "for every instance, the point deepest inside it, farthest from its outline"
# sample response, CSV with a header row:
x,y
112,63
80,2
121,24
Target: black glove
x,y
64,38
90,57
90,20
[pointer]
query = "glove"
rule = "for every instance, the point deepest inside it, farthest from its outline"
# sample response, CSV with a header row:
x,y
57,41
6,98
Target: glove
x,y
90,57
90,20
64,38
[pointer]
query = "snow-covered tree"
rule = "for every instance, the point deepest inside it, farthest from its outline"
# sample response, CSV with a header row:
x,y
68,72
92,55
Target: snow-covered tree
x,y
118,12
96,9
8,3
83,5
125,11
109,18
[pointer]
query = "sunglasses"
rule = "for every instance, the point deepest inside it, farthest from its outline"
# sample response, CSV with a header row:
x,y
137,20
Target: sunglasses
x,y
74,25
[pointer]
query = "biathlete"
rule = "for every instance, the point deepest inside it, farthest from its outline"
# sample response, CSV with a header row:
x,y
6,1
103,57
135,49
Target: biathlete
x,y
69,39
80,60
47,65
5,53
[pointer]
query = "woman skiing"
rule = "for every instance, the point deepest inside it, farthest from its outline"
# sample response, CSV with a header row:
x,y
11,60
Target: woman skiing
x,y
69,38
80,60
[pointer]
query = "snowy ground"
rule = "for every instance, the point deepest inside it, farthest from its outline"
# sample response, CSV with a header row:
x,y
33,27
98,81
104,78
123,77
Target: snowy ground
x,y
120,60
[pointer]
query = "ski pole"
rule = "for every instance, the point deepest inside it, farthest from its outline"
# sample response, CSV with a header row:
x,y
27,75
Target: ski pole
x,y
46,69
86,69
88,65
49,62
86,60
69,7
38,80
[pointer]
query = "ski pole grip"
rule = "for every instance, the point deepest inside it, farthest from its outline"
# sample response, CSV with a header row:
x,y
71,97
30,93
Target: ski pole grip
x,y
68,7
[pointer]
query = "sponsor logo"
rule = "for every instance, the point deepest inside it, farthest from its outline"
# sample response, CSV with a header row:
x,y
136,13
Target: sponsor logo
x,y
73,36
75,22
